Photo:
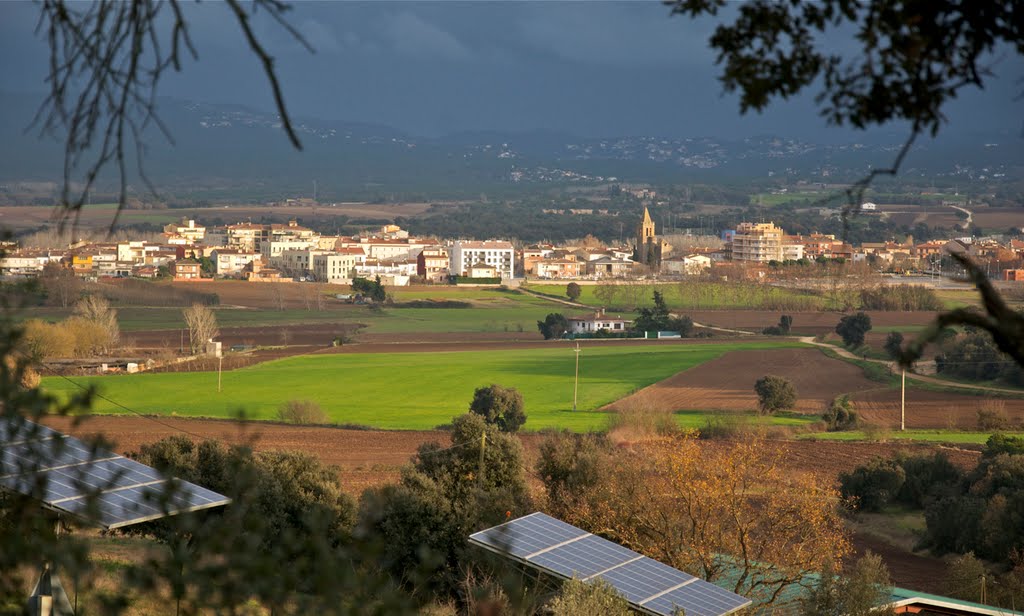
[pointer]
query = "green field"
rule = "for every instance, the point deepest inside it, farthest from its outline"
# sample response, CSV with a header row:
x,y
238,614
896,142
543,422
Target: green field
x,y
491,311
933,436
411,390
696,296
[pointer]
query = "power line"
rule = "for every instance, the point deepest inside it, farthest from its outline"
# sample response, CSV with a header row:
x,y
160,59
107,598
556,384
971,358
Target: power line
x,y
126,408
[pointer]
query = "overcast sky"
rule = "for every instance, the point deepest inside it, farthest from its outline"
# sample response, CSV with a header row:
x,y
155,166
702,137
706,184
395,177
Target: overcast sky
x,y
430,68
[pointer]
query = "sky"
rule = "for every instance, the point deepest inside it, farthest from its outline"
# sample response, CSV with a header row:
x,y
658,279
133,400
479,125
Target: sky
x,y
596,69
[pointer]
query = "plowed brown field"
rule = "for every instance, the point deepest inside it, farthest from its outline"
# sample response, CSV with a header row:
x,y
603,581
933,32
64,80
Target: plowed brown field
x,y
727,384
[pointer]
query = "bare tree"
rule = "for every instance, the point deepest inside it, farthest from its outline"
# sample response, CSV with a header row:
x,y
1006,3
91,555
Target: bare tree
x,y
60,283
96,309
278,294
321,300
106,61
202,326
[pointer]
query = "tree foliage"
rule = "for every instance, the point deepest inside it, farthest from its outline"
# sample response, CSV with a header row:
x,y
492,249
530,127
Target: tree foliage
x,y
872,486
985,514
774,393
857,592
573,291
372,289
500,406
704,510
853,327
290,488
975,356
894,344
658,318
553,326
782,329
444,496
891,72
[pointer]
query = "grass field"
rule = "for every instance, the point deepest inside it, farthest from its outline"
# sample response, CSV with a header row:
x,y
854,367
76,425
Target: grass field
x,y
491,311
932,436
703,296
410,390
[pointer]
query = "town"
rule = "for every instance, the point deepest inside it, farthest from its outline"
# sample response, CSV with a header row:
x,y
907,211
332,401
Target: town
x,y
292,253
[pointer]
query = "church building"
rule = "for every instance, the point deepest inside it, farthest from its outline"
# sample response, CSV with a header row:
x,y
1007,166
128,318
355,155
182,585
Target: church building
x,y
649,249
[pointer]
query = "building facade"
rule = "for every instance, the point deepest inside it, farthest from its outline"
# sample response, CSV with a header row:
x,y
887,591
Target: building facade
x,y
760,242
464,255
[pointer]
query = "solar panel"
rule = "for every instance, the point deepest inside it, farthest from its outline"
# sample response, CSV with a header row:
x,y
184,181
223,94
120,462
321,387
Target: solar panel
x,y
99,486
566,551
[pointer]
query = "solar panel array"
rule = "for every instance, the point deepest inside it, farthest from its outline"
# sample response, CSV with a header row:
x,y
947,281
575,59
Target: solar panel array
x,y
99,486
566,551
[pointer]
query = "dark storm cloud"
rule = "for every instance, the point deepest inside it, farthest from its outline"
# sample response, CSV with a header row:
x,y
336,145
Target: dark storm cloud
x,y
593,68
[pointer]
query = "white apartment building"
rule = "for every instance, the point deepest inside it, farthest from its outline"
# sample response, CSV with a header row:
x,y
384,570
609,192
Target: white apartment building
x,y
335,268
465,254
232,261
792,251
757,241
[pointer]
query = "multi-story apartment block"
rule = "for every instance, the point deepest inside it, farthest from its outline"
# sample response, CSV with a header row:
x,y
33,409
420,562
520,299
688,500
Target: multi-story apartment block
x,y
432,264
335,267
244,236
465,254
232,261
757,241
792,248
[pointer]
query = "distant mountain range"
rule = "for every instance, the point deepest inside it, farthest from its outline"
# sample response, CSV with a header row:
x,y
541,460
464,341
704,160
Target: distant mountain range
x,y
220,149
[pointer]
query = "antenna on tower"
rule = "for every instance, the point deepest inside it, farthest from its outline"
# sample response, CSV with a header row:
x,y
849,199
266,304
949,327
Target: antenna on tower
x,y
314,190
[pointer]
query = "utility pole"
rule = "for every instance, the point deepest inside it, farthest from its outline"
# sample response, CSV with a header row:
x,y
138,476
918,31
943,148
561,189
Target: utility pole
x,y
576,386
903,401
220,366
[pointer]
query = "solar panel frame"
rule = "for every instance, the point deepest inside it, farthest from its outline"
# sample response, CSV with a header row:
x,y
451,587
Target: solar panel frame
x,y
649,586
121,491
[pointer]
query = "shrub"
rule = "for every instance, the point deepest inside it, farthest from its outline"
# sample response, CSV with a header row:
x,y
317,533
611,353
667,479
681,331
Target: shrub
x,y
573,291
724,427
925,478
579,597
840,414
774,393
301,412
637,423
901,297
782,329
992,416
872,486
